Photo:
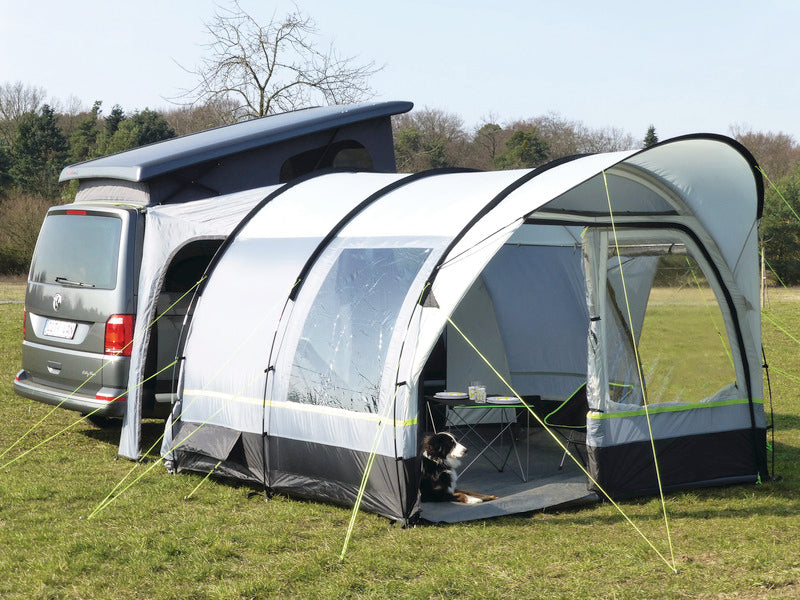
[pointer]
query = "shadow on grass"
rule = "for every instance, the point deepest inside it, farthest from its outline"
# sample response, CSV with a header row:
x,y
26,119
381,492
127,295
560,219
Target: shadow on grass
x,y
108,432
784,422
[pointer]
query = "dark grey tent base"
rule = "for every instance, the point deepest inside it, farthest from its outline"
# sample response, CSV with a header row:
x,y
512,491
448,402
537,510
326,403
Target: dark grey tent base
x,y
547,486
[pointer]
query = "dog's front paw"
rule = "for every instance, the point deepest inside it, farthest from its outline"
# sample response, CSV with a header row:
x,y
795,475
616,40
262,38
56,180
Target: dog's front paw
x,y
473,500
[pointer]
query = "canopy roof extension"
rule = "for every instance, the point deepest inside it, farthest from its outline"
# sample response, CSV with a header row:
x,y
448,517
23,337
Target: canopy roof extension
x,y
312,339
243,155
179,240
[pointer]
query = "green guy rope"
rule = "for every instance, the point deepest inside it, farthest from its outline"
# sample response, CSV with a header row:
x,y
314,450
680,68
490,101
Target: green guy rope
x,y
89,378
639,370
774,187
362,488
778,277
202,481
778,326
710,314
784,373
83,418
564,447
112,496
108,499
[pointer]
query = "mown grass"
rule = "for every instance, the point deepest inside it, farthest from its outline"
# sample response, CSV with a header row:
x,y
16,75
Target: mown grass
x,y
737,542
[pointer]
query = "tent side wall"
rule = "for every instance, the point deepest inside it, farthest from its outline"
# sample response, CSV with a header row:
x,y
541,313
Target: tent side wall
x,y
300,468
711,440
170,229
331,380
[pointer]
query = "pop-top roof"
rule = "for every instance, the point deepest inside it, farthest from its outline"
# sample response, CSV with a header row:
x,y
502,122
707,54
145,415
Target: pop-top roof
x,y
146,162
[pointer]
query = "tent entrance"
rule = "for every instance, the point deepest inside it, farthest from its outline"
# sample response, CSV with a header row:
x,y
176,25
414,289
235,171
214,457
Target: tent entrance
x,y
523,322
547,486
172,304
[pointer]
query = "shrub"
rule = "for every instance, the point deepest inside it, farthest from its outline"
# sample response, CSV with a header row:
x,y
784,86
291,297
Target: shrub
x,y
21,218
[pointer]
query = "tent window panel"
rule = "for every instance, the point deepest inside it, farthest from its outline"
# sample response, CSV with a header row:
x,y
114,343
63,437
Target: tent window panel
x,y
342,349
679,329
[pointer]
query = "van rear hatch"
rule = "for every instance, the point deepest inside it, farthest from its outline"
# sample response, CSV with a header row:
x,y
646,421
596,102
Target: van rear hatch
x,y
79,306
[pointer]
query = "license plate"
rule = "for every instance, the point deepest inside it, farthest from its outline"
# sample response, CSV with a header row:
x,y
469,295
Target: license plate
x,y
60,329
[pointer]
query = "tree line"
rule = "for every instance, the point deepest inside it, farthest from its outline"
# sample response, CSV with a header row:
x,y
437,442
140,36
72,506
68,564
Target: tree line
x,y
252,69
38,139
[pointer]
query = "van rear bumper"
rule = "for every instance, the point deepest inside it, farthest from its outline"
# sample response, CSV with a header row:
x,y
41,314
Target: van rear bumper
x,y
102,404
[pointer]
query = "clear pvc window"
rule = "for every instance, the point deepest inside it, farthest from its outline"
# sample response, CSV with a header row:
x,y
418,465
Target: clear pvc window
x,y
342,350
669,309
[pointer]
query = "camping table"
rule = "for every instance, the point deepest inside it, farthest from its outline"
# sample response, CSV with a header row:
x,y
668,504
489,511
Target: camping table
x,y
485,442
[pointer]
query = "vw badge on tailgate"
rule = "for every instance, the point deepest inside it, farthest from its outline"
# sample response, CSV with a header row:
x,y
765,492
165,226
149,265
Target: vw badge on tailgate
x,y
56,302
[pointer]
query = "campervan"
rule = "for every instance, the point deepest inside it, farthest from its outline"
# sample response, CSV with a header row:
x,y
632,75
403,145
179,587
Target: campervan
x,y
83,292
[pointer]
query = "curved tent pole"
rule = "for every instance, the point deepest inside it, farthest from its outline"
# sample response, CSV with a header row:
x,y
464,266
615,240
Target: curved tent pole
x,y
736,145
212,265
483,212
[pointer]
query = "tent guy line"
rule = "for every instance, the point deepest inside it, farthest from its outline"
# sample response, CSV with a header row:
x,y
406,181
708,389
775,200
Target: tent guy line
x,y
202,481
565,448
111,497
774,187
638,362
229,399
71,425
94,374
710,314
364,479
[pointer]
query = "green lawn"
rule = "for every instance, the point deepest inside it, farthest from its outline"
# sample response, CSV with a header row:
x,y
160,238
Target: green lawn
x,y
738,542
683,335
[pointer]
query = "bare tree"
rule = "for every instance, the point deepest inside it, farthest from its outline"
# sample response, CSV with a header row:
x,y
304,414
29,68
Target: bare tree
x,y
568,137
16,100
607,139
430,138
70,113
191,119
273,68
488,139
777,153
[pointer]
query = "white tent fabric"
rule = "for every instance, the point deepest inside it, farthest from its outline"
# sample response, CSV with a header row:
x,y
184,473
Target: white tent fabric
x,y
170,228
314,369
260,272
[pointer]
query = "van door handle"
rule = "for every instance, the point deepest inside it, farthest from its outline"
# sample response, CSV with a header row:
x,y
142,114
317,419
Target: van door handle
x,y
53,367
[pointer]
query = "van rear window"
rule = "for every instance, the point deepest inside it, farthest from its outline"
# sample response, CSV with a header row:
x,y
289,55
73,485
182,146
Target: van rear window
x,y
78,249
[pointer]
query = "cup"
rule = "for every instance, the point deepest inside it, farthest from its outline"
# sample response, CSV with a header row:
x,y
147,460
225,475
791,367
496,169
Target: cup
x,y
477,392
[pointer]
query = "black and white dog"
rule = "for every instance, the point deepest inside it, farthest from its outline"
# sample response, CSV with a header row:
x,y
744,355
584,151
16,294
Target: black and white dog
x,y
440,457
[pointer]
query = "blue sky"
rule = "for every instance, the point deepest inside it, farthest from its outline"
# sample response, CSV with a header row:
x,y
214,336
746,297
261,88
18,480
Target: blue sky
x,y
684,66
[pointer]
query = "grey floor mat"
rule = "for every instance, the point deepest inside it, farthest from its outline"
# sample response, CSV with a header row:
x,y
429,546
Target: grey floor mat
x,y
547,486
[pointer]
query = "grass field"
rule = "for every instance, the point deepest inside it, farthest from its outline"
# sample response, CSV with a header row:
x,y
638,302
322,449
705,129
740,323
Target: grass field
x,y
738,542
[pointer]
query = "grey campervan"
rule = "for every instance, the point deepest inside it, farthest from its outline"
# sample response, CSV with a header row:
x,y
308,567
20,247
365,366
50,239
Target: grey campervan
x,y
81,299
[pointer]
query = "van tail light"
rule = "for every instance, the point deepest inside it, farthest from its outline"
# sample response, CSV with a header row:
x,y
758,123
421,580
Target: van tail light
x,y
109,397
25,324
119,335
